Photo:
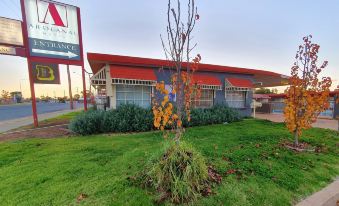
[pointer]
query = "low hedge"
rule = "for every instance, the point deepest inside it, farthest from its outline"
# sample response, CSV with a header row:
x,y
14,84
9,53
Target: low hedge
x,y
132,118
218,114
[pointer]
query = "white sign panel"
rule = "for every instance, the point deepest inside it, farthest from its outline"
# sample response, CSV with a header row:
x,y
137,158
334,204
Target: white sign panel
x,y
7,50
52,29
10,32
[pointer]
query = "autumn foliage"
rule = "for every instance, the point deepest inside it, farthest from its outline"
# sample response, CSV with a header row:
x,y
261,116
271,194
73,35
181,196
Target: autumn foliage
x,y
177,48
164,112
307,95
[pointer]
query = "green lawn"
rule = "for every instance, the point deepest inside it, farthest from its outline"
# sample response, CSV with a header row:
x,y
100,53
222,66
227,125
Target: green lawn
x,y
61,119
68,116
56,171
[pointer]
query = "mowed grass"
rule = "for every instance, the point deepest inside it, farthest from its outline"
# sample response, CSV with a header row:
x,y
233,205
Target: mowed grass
x,y
57,171
61,119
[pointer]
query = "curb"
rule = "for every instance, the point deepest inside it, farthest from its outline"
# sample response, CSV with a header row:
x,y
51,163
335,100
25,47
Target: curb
x,y
329,196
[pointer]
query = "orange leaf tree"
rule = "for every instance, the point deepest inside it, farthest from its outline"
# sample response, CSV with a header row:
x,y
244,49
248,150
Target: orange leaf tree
x,y
307,96
178,50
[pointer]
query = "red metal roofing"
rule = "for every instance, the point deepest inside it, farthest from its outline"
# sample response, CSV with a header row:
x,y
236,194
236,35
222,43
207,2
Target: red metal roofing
x,y
261,96
283,95
266,78
237,82
97,61
124,72
204,79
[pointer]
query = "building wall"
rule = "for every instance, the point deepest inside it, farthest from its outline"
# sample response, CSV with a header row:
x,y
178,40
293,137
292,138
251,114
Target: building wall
x,y
164,75
278,105
336,108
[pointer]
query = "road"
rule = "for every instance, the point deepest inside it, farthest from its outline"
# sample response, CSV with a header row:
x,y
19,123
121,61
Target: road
x,y
10,112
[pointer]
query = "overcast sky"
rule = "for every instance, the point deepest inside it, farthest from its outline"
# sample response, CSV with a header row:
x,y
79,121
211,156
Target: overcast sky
x,y
261,34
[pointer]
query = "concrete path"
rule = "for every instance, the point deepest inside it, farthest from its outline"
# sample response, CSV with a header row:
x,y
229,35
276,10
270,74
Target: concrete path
x,y
329,196
321,123
19,122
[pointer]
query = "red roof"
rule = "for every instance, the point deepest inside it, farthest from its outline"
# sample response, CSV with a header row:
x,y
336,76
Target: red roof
x,y
261,96
237,82
204,79
95,58
124,72
266,78
283,95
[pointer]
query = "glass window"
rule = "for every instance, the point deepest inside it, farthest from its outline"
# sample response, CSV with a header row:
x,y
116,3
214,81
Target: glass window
x,y
133,94
236,99
205,100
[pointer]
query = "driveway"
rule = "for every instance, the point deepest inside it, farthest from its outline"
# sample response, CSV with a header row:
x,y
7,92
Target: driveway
x,y
321,123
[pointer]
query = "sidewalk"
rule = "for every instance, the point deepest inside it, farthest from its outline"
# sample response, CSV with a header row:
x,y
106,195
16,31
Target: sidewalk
x,y
15,123
320,123
329,196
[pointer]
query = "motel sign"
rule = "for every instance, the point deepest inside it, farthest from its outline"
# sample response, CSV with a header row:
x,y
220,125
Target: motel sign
x,y
49,35
53,30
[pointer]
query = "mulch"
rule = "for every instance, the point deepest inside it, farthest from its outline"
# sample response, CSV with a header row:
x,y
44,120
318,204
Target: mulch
x,y
45,130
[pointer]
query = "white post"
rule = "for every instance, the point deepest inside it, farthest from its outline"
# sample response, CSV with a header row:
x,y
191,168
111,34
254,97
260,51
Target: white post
x,y
254,106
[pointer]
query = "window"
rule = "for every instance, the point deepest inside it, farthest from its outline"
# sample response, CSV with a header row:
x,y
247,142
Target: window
x,y
205,100
236,99
134,94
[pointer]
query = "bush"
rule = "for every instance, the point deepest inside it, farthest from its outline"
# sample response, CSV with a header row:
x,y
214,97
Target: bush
x,y
87,123
218,114
179,172
132,118
126,118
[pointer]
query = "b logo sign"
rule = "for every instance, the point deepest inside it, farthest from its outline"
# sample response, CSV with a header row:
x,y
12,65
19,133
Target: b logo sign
x,y
51,13
45,73
53,30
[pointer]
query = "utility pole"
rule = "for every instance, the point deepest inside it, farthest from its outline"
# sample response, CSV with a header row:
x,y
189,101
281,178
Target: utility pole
x,y
70,88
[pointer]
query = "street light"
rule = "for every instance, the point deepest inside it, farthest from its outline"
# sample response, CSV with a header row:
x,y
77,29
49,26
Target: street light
x,y
20,84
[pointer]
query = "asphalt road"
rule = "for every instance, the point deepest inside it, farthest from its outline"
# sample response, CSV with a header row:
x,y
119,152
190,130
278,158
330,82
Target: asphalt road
x,y
9,112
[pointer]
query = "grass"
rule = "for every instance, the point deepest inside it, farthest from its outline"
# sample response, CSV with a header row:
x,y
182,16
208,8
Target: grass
x,y
61,119
68,116
57,171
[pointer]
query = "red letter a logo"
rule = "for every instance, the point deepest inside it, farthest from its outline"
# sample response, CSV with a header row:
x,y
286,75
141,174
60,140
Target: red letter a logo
x,y
54,14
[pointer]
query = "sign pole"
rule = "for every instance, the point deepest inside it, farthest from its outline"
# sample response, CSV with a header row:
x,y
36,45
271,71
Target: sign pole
x,y
29,64
70,88
84,88
31,83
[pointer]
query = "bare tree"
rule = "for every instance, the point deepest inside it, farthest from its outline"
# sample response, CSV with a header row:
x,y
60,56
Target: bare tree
x,y
178,47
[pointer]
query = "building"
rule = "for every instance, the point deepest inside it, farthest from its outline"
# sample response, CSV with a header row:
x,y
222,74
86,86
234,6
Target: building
x,y
124,79
276,105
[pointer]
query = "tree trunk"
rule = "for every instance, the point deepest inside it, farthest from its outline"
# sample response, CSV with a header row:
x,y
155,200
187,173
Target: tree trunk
x,y
180,103
296,138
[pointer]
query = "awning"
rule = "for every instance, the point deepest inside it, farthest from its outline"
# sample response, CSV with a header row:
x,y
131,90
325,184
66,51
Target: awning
x,y
132,75
207,81
238,84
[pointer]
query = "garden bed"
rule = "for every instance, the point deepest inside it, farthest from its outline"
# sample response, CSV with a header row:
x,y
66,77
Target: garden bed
x,y
95,170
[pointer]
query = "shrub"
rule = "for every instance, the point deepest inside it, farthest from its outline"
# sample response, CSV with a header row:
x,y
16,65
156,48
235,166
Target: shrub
x,y
87,123
132,118
126,118
216,115
179,172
